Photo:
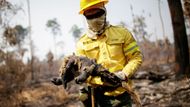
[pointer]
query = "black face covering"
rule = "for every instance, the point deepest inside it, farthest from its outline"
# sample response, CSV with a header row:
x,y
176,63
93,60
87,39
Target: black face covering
x,y
97,14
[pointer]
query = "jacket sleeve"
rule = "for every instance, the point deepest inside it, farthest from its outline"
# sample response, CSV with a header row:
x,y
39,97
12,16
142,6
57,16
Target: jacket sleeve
x,y
133,55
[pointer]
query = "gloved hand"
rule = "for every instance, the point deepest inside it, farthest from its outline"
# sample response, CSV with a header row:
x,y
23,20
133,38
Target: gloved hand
x,y
57,81
121,75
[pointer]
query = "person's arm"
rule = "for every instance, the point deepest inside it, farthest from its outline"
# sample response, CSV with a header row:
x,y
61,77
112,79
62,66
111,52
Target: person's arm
x,y
133,55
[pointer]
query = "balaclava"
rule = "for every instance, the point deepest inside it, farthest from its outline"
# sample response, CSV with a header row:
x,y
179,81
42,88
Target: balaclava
x,y
97,26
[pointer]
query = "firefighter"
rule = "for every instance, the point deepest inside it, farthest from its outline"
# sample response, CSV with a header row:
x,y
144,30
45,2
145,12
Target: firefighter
x,y
114,48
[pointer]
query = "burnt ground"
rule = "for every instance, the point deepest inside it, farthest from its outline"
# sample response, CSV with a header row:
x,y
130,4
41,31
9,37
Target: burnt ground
x,y
159,88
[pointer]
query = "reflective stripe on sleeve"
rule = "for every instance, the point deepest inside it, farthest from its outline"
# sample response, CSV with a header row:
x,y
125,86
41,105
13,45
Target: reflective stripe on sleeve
x,y
132,46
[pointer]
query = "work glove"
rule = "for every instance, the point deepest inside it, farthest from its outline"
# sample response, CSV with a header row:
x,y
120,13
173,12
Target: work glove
x,y
57,81
121,75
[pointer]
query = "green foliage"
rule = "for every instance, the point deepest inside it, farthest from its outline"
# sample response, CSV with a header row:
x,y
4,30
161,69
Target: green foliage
x,y
54,26
139,28
55,29
21,30
76,31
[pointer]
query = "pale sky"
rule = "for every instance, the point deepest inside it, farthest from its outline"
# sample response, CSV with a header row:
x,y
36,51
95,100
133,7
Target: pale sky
x,y
66,12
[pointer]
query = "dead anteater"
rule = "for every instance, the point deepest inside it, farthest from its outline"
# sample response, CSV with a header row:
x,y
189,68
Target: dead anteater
x,y
79,68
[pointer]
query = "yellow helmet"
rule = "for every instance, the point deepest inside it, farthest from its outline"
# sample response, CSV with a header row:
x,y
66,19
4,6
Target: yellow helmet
x,y
86,4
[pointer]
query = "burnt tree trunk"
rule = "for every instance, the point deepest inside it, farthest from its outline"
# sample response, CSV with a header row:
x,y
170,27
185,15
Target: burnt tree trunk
x,y
180,37
31,44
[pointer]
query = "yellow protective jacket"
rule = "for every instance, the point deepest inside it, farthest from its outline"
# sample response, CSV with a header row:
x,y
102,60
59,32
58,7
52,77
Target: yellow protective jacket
x,y
115,49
